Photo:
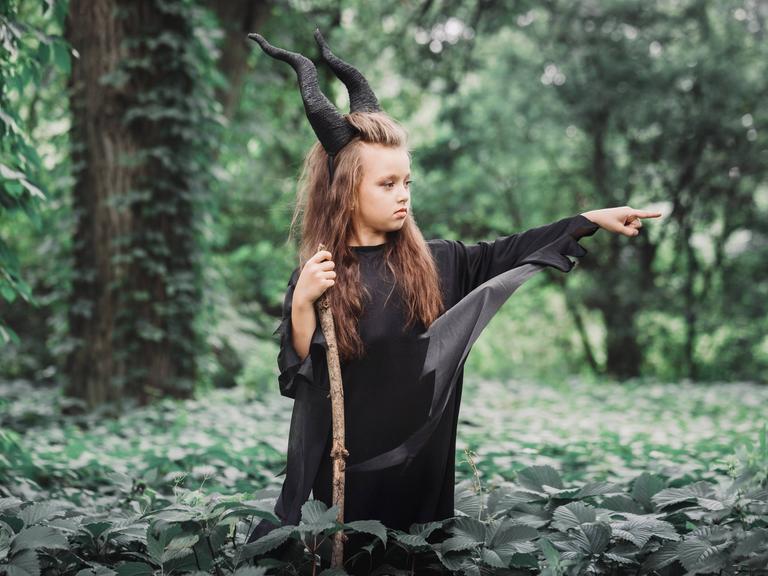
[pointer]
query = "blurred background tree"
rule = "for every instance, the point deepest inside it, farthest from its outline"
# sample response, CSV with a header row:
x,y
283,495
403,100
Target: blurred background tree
x,y
520,113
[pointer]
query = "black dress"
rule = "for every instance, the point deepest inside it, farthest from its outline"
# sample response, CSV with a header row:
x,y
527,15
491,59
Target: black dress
x,y
384,403
386,398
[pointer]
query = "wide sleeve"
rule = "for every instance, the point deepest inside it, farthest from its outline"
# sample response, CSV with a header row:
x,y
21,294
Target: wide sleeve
x,y
294,370
477,263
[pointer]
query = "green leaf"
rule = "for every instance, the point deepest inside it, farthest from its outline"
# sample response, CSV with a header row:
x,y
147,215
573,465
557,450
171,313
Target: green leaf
x,y
175,514
8,292
572,515
623,560
61,57
312,511
470,528
513,539
426,528
696,554
640,529
690,493
38,537
551,555
179,546
459,543
369,527
451,561
645,486
316,517
662,558
752,542
9,173
593,538
469,502
8,335
156,544
492,558
622,503
9,503
412,541
32,189
25,563
43,55
268,542
536,477
598,489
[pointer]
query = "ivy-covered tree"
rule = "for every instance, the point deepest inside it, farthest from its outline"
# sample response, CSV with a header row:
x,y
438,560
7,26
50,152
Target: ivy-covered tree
x,y
142,130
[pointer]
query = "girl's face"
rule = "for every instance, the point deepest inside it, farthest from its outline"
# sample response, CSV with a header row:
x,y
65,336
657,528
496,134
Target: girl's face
x,y
383,193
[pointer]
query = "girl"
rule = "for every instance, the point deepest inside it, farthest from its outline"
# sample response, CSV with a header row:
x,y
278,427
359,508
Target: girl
x,y
388,288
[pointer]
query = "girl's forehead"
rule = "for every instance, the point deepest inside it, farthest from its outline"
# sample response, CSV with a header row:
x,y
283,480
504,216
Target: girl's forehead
x,y
385,160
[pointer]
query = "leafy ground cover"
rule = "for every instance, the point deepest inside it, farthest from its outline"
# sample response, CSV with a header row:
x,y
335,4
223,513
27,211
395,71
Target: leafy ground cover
x,y
231,442
175,488
607,431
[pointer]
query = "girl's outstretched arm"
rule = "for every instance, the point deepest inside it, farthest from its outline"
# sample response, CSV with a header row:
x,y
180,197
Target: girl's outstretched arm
x,y
479,262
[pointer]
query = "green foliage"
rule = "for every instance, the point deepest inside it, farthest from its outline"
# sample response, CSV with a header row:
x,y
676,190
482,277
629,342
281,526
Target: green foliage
x,y
594,432
25,51
518,113
127,495
607,431
525,527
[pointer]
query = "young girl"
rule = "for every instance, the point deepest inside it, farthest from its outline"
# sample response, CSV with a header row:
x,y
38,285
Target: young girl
x,y
388,288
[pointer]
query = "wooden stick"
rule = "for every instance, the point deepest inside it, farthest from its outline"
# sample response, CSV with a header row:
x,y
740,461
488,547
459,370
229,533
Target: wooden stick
x,y
338,451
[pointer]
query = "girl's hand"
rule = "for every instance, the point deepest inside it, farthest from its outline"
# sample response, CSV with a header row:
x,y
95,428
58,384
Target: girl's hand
x,y
622,220
316,277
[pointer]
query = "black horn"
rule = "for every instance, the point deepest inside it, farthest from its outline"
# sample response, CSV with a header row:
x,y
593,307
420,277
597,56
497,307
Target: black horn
x,y
333,131
361,97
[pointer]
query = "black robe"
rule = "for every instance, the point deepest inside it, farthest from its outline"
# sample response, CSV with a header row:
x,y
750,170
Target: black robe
x,y
402,398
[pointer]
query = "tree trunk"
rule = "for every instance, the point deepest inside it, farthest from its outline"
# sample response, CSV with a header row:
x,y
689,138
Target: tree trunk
x,y
237,18
97,141
136,113
623,354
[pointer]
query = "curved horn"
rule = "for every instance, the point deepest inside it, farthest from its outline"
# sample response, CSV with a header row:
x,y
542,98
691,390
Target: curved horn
x,y
361,97
333,131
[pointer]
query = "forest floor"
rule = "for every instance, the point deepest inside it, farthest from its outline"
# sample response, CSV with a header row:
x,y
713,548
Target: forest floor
x,y
230,441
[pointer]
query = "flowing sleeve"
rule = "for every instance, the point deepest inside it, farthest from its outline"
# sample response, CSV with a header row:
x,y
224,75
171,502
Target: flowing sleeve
x,y
294,370
478,263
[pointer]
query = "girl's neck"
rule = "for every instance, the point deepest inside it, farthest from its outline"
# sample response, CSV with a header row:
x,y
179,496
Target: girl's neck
x,y
368,240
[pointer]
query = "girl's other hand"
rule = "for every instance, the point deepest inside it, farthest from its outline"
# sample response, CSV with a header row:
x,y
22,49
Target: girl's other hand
x,y
621,220
316,277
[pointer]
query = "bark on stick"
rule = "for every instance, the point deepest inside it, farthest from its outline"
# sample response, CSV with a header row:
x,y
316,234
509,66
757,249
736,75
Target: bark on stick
x,y
338,451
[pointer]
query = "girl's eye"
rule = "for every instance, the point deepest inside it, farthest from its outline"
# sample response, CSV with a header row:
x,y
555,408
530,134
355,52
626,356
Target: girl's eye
x,y
407,183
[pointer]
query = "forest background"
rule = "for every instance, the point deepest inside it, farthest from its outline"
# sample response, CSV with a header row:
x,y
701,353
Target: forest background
x,y
149,168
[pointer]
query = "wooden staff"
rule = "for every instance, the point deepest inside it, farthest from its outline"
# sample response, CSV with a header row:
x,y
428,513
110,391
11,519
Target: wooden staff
x,y
338,451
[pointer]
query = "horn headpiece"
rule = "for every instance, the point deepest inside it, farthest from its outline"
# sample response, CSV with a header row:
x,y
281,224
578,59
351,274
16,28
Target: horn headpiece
x,y
331,128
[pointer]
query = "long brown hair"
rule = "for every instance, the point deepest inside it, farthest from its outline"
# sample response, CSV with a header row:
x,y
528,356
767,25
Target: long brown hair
x,y
326,217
